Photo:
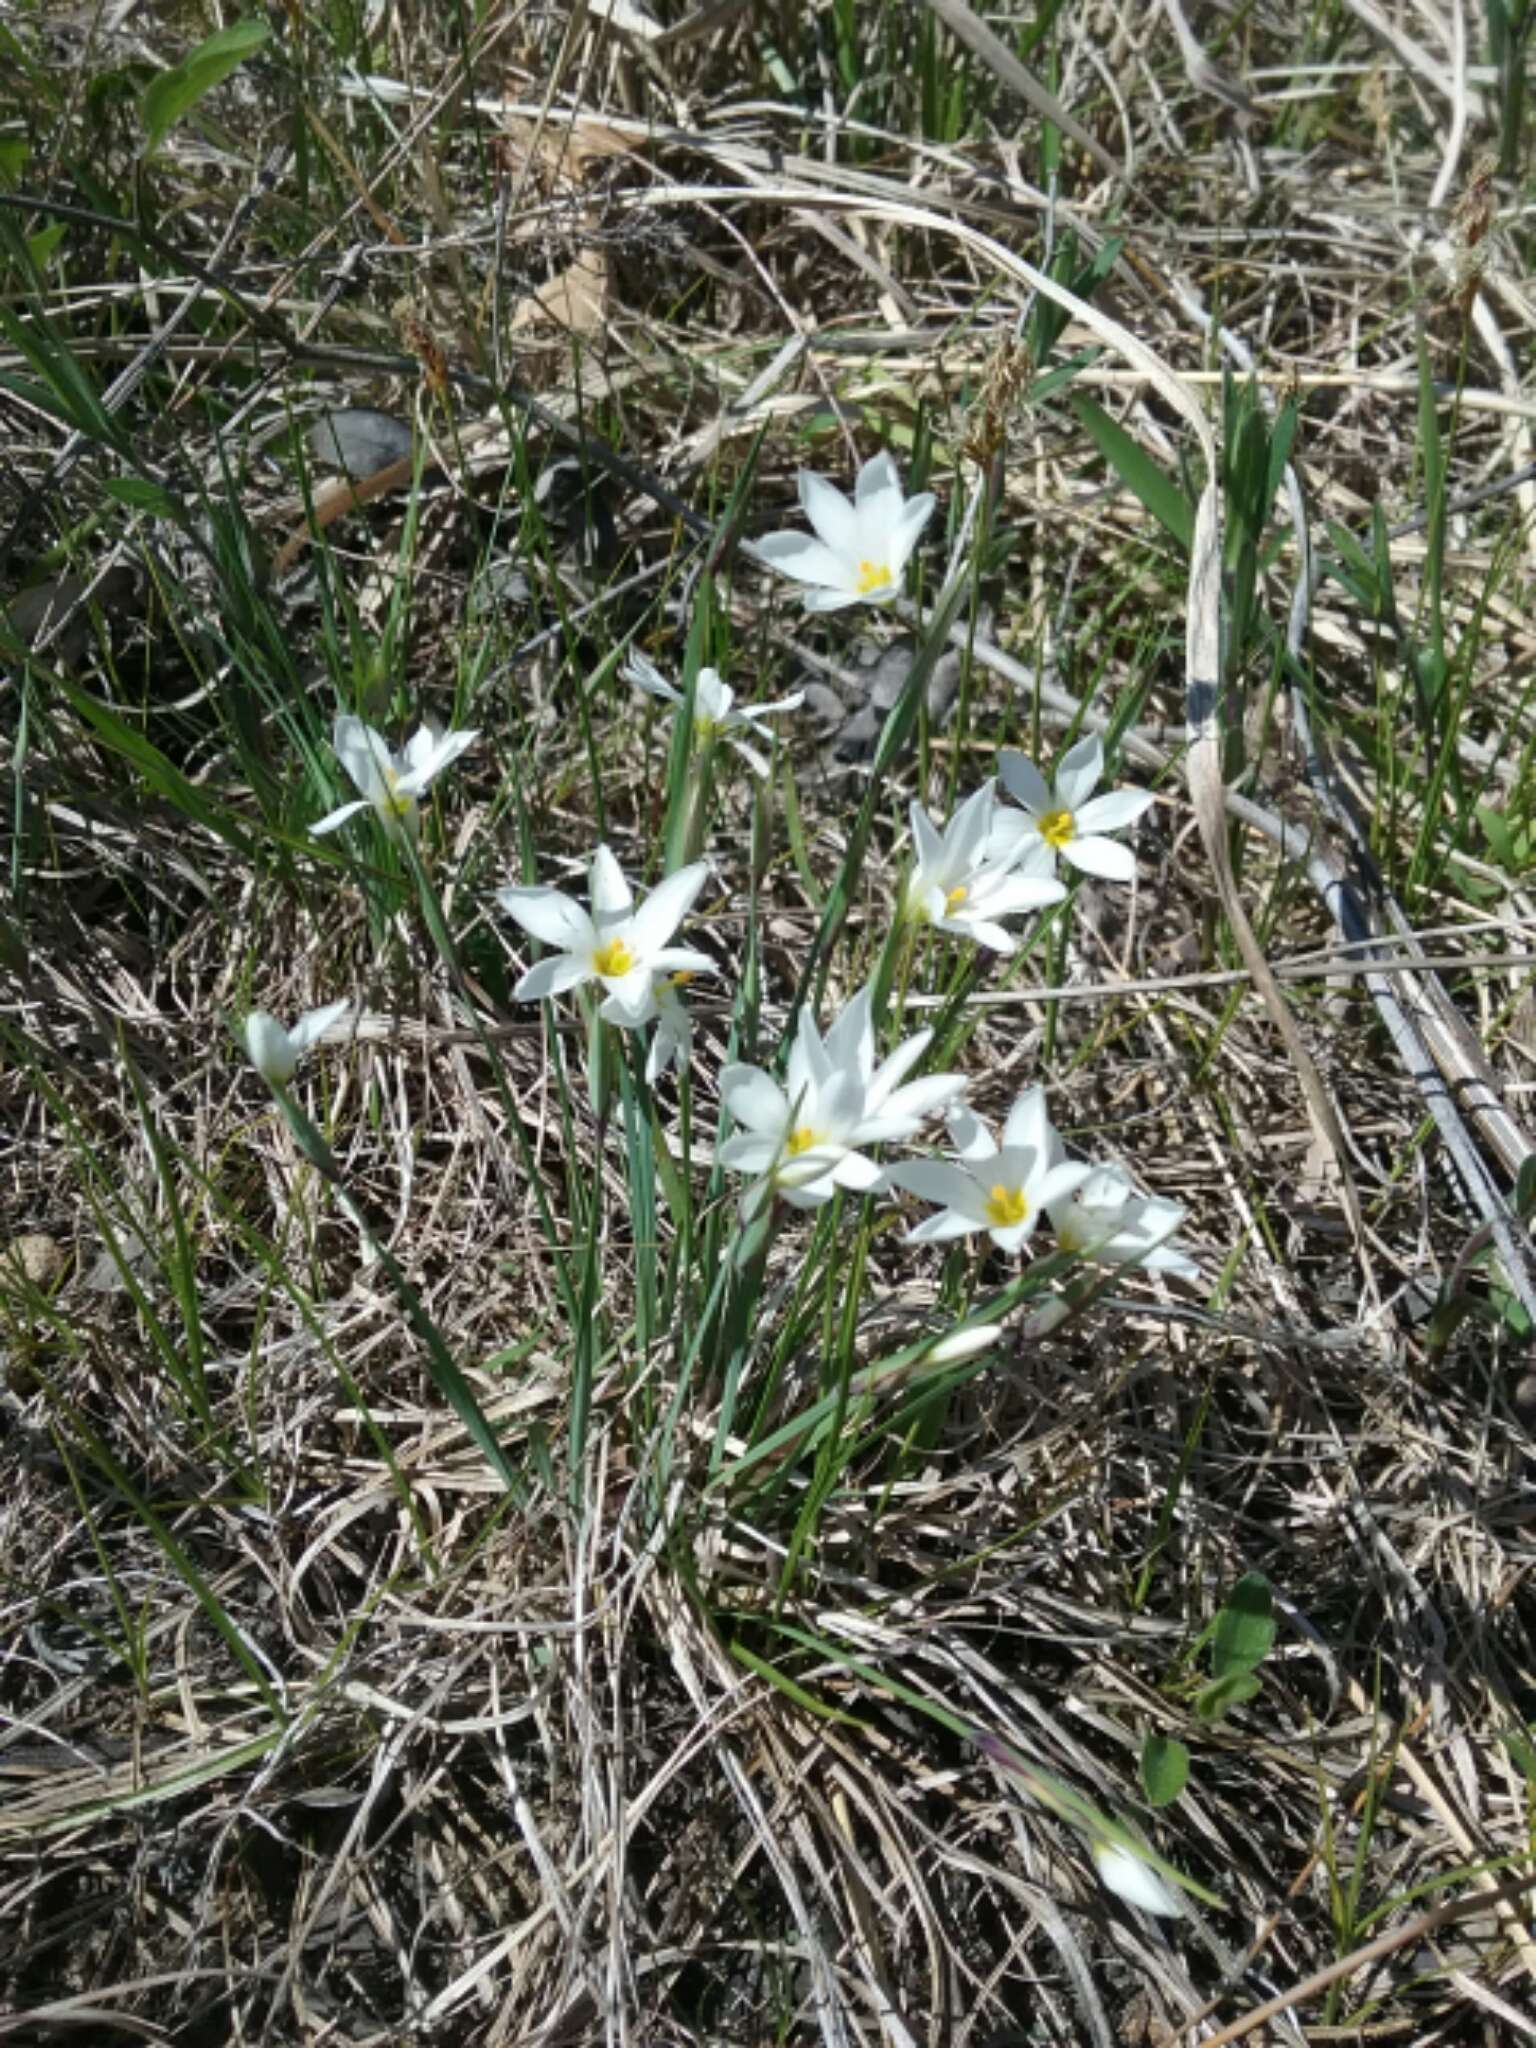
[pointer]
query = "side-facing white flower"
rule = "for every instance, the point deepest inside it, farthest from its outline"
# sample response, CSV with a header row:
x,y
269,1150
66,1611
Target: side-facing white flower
x,y
1129,1878
1108,1219
716,714
275,1051
622,947
392,785
672,1046
956,888
1068,817
1000,1189
803,1138
861,549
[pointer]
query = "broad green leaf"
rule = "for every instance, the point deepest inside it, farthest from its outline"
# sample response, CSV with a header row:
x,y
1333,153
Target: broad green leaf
x,y
41,246
1164,1769
171,96
1136,470
1245,1628
140,495
1215,1700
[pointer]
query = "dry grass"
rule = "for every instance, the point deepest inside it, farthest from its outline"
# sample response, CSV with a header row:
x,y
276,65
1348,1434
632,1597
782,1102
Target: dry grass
x,y
308,1730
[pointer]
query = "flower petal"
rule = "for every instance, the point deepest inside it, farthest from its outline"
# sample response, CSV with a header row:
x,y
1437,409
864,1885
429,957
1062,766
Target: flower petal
x,y
315,1023
942,1228
824,600
333,819
667,905
1107,858
907,530
551,977
854,1171
833,518
1078,775
943,1183
607,891
1114,810
809,561
876,478
900,1115
646,676
755,1100
1028,1128
1023,781
1129,1878
547,915
272,1052
972,1141
365,755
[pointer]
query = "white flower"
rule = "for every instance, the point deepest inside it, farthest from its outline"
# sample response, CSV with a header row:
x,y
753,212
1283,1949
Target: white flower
x,y
673,1042
1135,1881
803,1138
391,784
956,888
275,1052
1000,1189
715,713
1108,1220
862,549
1068,818
623,948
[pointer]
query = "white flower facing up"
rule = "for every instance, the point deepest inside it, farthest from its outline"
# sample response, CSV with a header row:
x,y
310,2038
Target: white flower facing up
x,y
1002,1189
275,1051
623,948
861,549
956,888
1067,817
392,785
1128,1877
1109,1220
803,1138
716,714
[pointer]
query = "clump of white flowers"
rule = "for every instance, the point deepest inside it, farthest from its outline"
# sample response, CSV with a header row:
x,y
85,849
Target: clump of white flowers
x,y
959,887
861,549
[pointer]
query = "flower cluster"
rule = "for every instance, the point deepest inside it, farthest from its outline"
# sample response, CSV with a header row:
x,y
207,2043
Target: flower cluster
x,y
809,1135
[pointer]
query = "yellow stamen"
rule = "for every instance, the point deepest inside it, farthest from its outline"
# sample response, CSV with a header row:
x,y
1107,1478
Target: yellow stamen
x,y
392,802
613,961
1006,1207
1058,829
873,576
682,977
799,1141
956,897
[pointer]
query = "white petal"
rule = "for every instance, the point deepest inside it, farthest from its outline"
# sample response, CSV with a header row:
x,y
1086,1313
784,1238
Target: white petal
x,y
607,891
1023,781
1058,1183
1078,776
680,960
1014,1236
878,477
551,977
907,530
646,676
947,1225
364,755
1113,811
758,763
826,600
1107,858
970,1137
428,761
981,931
315,1023
944,1184
809,561
273,1053
899,1063
1028,1128
831,515
546,914
755,1100
333,819
712,698
747,1152
970,827
900,1114
1129,1878
629,1002
667,905
854,1171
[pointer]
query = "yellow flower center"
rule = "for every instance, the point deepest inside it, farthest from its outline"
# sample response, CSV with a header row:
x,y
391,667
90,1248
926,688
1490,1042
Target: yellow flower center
x,y
873,576
799,1141
682,977
956,897
614,960
704,730
1006,1207
1058,829
392,803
